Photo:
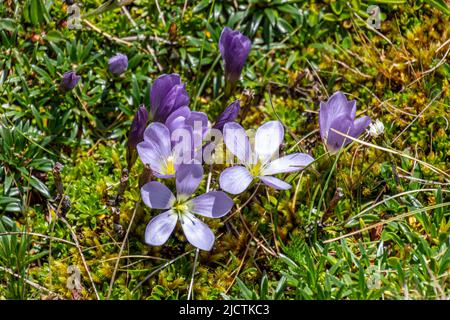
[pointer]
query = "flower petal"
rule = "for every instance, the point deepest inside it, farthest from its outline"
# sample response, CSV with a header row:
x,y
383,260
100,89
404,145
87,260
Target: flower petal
x,y
236,140
268,139
275,183
235,180
336,106
197,232
157,196
199,123
359,126
161,88
149,154
214,204
156,147
188,178
335,140
158,134
177,118
289,163
228,115
160,228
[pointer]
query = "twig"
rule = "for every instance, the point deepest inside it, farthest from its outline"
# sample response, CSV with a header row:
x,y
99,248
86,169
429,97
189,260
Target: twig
x,y
106,35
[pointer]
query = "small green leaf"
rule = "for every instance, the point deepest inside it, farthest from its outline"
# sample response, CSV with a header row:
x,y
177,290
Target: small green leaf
x,y
39,186
8,24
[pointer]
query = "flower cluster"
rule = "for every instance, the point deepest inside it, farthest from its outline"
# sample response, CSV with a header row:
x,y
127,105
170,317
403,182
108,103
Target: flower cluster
x,y
179,141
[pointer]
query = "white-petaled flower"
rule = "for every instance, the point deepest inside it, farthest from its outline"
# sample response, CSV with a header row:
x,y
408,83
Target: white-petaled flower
x,y
376,128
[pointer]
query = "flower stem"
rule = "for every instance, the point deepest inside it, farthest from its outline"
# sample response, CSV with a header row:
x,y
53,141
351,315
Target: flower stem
x,y
191,285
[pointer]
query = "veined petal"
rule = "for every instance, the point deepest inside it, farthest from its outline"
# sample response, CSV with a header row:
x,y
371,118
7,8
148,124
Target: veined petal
x,y
157,196
160,228
188,178
214,204
289,163
158,134
268,139
237,142
235,180
197,232
275,183
335,141
150,154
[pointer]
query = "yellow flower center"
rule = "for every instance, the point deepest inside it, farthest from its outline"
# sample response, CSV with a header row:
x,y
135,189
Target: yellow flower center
x,y
180,207
170,166
256,169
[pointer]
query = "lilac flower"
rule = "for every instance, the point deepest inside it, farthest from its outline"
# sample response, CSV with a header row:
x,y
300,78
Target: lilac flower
x,y
161,154
228,115
69,81
214,204
118,64
338,113
234,48
138,126
167,94
258,163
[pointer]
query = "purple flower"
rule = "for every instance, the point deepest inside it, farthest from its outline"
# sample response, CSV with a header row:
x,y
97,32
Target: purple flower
x,y
167,94
69,81
234,48
162,154
214,204
228,115
138,126
118,64
258,163
338,113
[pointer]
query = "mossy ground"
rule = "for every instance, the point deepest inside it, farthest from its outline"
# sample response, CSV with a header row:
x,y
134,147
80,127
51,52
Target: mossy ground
x,y
280,245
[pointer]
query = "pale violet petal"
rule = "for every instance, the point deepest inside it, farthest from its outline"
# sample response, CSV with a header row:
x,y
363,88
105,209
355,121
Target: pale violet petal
x,y
275,183
197,232
290,163
157,196
188,178
158,134
235,180
214,204
160,228
236,140
268,139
